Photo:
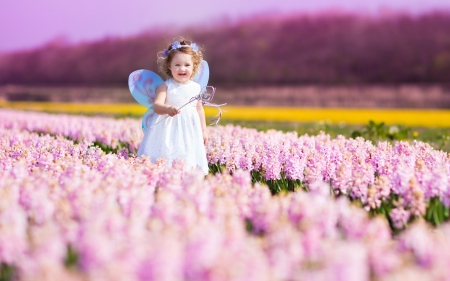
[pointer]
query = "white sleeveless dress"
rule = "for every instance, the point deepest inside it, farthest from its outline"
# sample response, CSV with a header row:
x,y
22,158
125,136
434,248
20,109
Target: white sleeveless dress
x,y
179,136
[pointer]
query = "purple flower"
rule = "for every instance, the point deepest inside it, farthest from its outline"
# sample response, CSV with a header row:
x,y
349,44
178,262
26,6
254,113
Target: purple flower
x,y
399,217
176,45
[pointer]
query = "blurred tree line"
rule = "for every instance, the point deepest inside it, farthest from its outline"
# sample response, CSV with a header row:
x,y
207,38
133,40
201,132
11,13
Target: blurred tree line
x,y
326,49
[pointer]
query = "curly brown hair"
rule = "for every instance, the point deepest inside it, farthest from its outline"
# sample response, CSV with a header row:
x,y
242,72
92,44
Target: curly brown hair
x,y
164,62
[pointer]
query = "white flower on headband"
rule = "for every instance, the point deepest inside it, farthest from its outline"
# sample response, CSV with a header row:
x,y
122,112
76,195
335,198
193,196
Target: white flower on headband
x,y
176,45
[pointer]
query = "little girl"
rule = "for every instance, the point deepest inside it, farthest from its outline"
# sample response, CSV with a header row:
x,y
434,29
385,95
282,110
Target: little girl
x,y
183,134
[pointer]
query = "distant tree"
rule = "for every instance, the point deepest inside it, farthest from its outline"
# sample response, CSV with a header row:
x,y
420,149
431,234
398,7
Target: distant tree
x,y
300,49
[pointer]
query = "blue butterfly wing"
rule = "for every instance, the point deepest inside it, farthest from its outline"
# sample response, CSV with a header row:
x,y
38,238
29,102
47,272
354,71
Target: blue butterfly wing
x,y
202,76
143,84
146,118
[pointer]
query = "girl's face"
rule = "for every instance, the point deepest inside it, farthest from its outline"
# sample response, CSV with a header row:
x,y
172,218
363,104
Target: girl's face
x,y
181,67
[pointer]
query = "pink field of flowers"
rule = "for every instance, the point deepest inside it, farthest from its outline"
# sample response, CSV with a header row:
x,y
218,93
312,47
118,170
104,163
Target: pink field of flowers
x,y
77,204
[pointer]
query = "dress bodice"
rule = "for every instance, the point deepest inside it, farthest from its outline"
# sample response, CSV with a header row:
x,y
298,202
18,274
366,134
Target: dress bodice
x,y
179,94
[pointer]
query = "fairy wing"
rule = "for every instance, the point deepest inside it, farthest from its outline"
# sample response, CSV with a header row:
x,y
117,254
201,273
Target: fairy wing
x,y
146,118
143,84
202,76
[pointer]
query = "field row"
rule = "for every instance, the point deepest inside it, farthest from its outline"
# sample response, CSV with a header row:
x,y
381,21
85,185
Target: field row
x,y
403,181
72,212
408,117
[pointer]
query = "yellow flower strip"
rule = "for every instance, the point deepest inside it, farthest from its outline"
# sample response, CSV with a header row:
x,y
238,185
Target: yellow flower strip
x,y
409,117
78,108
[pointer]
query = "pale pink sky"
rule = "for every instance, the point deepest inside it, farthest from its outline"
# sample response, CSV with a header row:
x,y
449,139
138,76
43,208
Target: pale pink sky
x,y
30,23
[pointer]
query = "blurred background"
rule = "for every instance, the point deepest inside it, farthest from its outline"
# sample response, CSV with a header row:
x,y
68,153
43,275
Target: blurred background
x,y
363,54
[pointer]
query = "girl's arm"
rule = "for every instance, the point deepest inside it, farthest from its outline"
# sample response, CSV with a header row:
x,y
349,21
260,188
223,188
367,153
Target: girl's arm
x,y
160,98
201,113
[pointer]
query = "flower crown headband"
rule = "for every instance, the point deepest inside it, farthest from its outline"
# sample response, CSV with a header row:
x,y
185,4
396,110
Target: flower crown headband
x,y
177,45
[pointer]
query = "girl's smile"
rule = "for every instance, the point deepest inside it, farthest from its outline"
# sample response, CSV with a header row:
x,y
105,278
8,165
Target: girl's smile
x,y
181,67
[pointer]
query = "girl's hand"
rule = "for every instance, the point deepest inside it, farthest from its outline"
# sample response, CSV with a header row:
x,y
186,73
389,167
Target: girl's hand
x,y
172,111
205,137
